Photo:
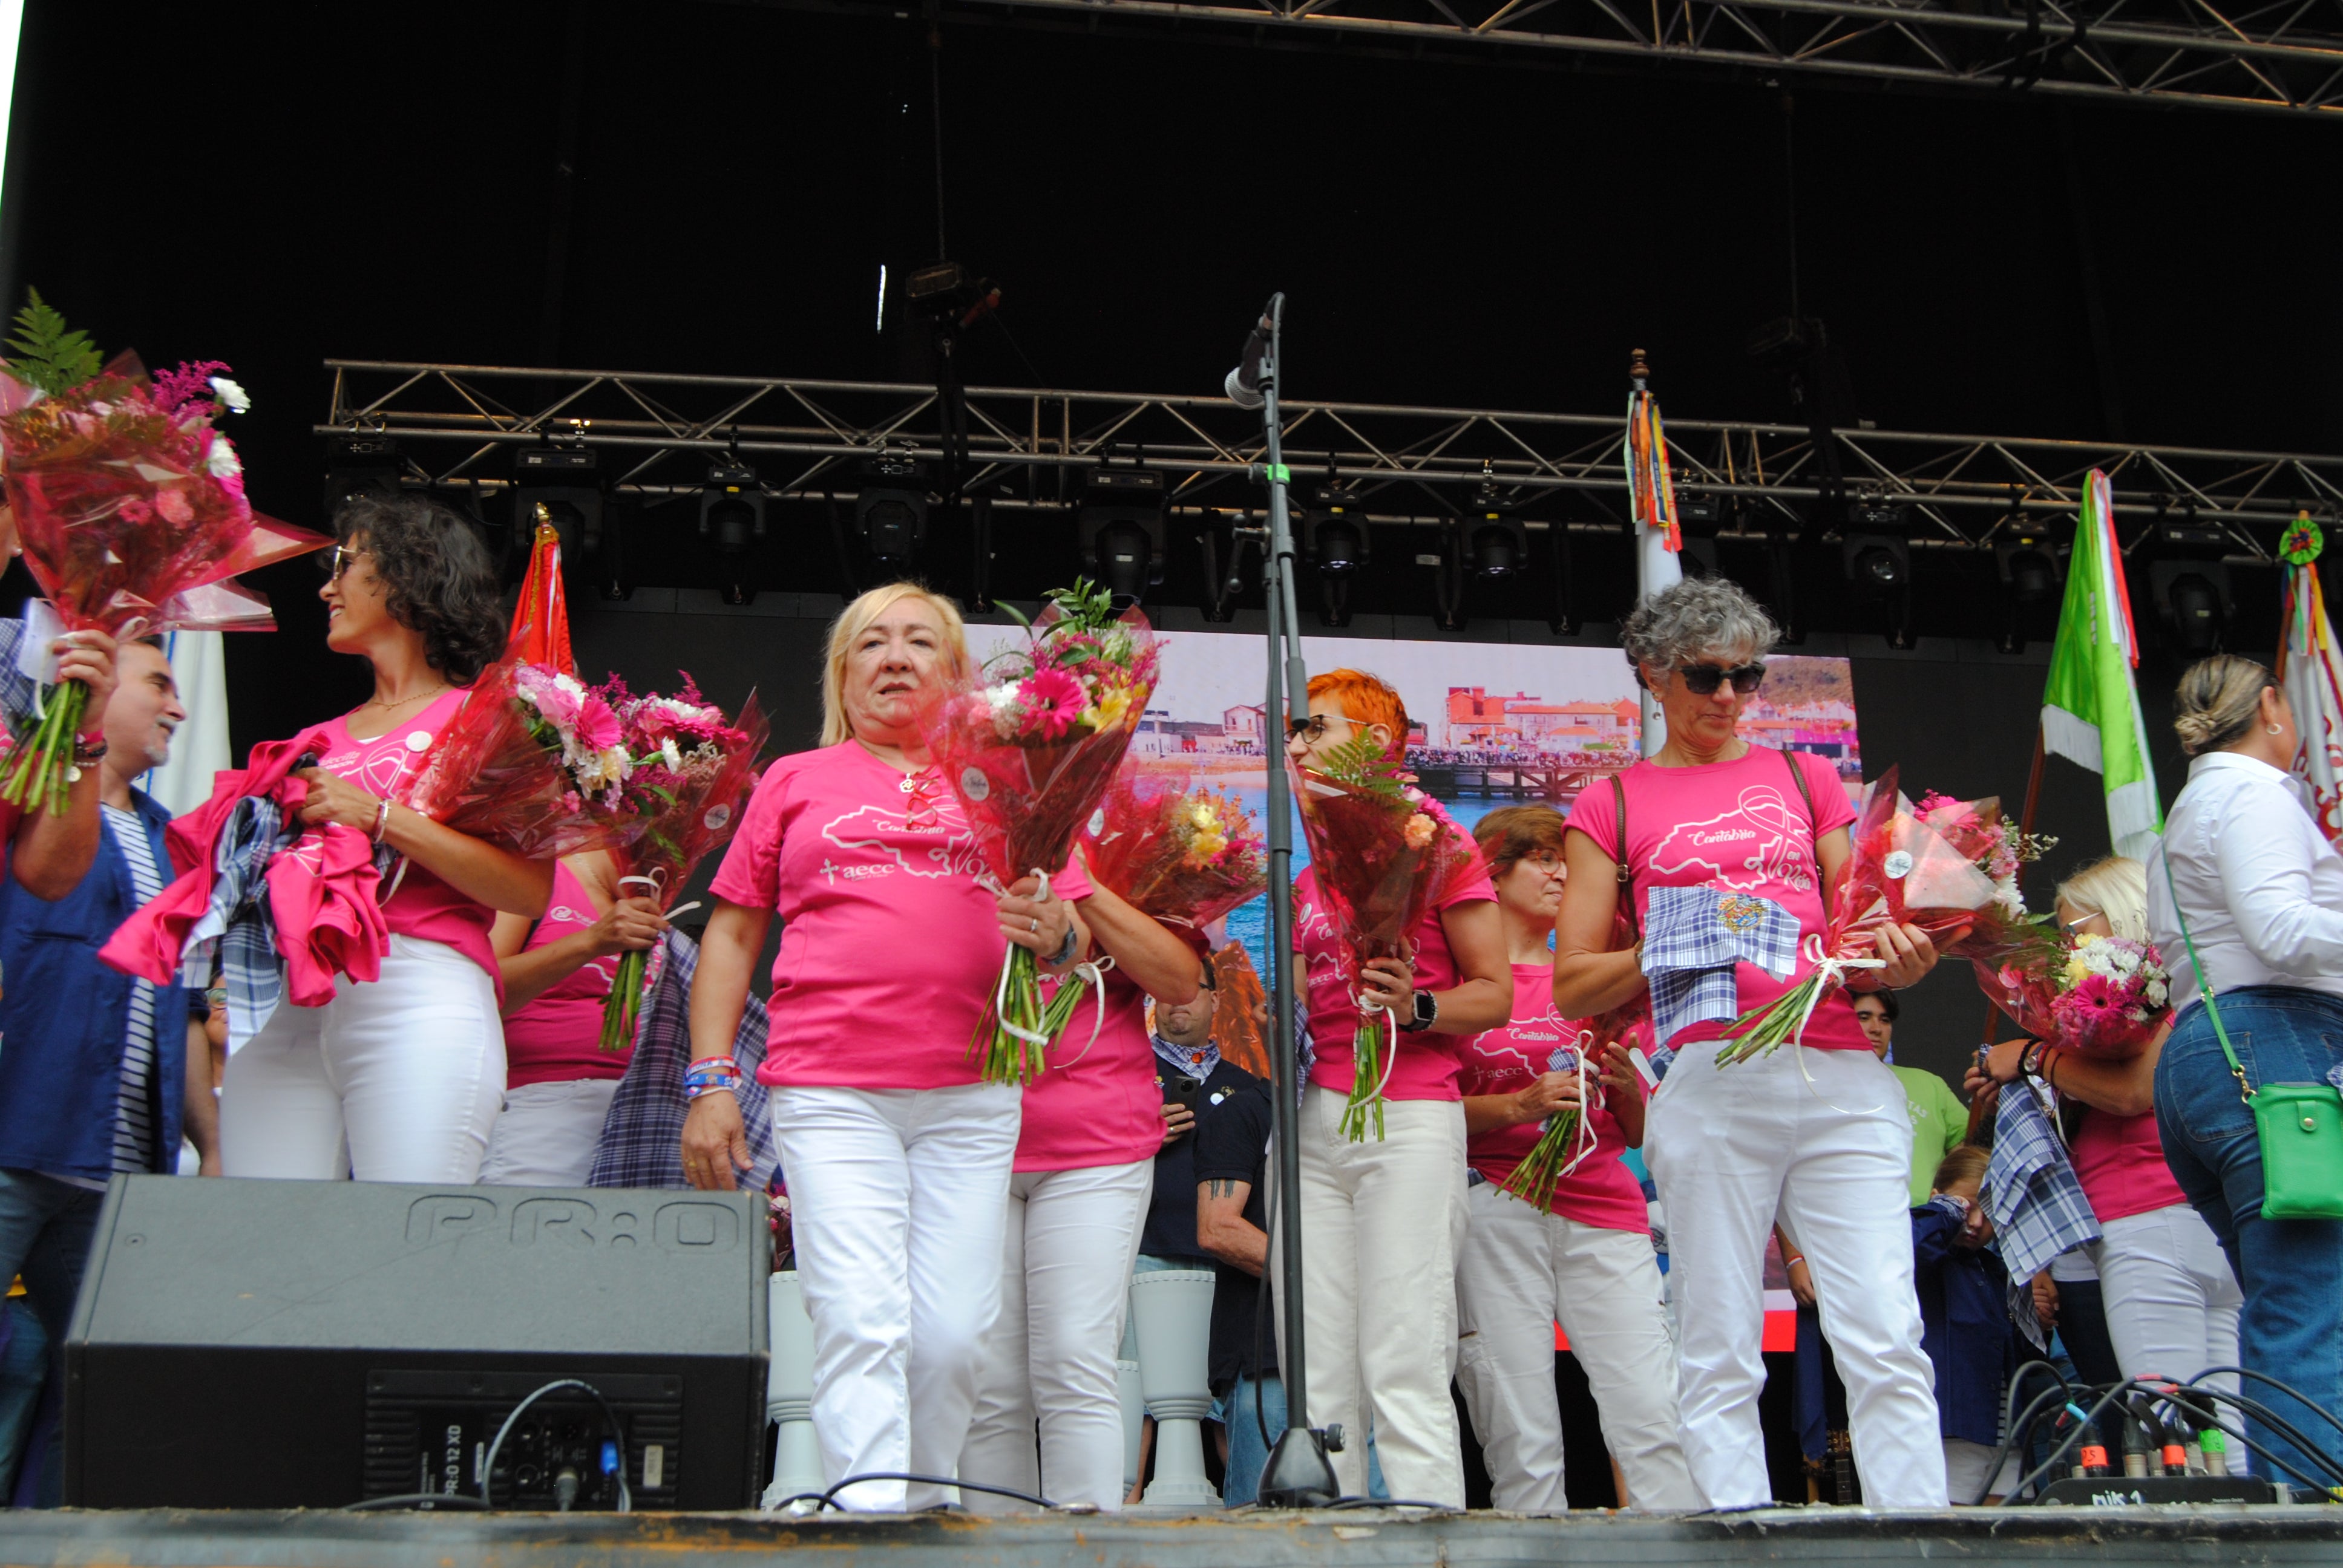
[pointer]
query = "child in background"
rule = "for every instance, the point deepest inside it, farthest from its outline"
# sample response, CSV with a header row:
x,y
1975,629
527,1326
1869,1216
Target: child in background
x,y
1964,1317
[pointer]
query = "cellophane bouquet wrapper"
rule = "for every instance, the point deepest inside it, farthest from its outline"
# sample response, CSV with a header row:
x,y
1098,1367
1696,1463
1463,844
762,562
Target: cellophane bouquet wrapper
x,y
692,773
1030,746
1946,867
2105,997
533,763
1562,1143
1383,854
124,497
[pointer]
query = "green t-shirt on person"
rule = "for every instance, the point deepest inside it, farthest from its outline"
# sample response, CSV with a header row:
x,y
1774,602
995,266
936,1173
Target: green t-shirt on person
x,y
1940,1124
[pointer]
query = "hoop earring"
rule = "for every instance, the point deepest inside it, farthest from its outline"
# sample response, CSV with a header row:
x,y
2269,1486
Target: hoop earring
x,y
2272,730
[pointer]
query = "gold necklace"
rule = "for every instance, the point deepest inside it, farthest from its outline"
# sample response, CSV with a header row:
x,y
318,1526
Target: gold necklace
x,y
402,702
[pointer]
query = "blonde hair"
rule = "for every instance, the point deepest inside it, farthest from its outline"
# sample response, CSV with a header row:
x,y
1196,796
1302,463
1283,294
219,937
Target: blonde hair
x,y
857,619
2114,887
2217,700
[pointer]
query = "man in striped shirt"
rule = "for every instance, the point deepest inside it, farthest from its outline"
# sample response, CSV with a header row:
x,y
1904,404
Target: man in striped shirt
x,y
99,1073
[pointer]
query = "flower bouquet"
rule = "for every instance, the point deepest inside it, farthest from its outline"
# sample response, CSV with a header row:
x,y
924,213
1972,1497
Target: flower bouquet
x,y
1944,866
1381,855
1564,1140
535,762
1185,856
2102,995
124,497
1030,746
691,774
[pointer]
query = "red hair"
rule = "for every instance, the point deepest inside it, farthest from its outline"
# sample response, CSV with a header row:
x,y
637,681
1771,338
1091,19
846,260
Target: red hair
x,y
1366,699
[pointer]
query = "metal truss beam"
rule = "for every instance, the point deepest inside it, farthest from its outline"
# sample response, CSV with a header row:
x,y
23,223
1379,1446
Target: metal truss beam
x,y
456,425
2280,55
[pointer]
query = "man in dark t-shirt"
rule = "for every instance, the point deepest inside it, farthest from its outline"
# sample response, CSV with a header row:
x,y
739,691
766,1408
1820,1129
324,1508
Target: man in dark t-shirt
x,y
1194,1081
1231,1158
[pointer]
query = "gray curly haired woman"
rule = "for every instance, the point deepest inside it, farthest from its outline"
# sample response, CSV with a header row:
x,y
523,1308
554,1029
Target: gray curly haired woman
x,y
1816,1133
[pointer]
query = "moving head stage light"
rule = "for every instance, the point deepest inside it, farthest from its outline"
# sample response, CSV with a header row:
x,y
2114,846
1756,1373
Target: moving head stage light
x,y
1120,529
890,510
732,521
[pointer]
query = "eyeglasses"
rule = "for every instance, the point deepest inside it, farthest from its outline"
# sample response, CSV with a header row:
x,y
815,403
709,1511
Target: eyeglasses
x,y
1313,729
1547,861
346,556
1702,679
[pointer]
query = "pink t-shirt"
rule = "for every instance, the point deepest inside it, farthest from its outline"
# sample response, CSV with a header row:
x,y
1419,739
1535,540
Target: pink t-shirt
x,y
424,906
1601,1191
890,947
1741,826
2119,1160
557,1036
1097,1104
1425,1066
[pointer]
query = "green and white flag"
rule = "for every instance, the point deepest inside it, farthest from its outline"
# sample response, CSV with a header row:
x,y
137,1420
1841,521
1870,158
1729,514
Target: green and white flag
x,y
2090,710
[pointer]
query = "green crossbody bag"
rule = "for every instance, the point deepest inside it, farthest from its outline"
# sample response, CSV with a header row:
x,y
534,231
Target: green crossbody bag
x,y
2299,1125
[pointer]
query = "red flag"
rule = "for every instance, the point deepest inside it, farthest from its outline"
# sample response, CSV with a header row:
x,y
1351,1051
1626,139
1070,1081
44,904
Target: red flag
x,y
540,632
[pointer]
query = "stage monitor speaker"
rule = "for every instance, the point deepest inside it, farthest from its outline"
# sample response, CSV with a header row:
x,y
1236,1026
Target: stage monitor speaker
x,y
309,1344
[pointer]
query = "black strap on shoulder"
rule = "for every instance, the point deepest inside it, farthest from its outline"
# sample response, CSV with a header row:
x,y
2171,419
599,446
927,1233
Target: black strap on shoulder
x,y
1626,877
1806,791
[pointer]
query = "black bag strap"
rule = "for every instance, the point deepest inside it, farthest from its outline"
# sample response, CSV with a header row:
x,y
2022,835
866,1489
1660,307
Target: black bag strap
x,y
1805,793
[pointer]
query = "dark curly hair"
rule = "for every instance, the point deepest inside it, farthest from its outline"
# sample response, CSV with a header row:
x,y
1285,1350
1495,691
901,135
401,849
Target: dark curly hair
x,y
440,579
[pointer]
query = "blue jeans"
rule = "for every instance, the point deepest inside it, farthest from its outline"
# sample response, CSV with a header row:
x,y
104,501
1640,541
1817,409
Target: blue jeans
x,y
46,1227
1248,1455
23,1369
2291,1270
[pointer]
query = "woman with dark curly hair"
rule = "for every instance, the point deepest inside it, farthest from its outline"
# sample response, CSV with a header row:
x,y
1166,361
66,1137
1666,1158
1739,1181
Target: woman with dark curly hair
x,y
399,1080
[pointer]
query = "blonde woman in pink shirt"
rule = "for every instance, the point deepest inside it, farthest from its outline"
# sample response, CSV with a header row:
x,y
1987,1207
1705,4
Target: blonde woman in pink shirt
x,y
1085,1173
897,1156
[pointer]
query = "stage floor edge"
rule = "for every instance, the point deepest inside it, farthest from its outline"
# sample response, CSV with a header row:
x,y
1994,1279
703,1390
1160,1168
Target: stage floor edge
x,y
160,1538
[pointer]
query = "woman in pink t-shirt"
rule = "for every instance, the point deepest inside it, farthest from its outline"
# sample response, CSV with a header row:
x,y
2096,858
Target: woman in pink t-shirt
x,y
398,1079
2171,1299
557,972
1085,1172
1381,1219
1813,1133
1589,1263
897,1155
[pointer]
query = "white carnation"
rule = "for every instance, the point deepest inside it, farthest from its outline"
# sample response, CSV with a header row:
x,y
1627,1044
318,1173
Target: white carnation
x,y
231,396
222,460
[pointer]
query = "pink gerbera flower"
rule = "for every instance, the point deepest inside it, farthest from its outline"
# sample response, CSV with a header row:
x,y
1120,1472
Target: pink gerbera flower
x,y
598,726
1052,700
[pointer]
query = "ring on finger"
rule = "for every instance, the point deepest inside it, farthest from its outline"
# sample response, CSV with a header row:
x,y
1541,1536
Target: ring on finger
x,y
1035,925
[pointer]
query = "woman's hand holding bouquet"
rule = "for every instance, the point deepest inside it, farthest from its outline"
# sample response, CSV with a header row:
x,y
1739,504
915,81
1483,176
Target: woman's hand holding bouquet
x,y
1382,856
1946,868
2102,995
535,762
1030,746
691,772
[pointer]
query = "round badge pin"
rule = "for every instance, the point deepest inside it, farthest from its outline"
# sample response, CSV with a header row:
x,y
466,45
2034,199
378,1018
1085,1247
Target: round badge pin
x,y
1098,821
1897,865
974,784
419,740
717,817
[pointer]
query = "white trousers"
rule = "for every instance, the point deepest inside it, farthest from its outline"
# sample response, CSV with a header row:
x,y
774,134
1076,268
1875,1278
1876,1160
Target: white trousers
x,y
546,1134
1380,1226
1732,1150
1065,1276
2172,1303
896,1199
398,1079
1519,1271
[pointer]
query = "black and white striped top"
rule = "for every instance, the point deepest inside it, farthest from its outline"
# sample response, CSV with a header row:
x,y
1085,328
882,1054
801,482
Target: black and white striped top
x,y
134,1115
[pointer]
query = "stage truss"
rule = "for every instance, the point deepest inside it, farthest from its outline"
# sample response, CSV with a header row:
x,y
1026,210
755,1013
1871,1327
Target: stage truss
x,y
458,425
2282,57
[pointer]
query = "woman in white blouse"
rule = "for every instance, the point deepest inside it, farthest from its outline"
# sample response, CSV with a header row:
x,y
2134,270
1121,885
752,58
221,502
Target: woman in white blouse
x,y
2261,891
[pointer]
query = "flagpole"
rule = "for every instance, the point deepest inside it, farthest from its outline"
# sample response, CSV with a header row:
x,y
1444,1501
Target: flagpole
x,y
2025,825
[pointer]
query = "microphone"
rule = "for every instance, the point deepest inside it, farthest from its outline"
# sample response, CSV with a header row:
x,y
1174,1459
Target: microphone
x,y
1244,382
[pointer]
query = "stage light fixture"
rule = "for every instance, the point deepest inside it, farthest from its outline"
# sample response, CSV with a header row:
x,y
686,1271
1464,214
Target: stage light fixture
x,y
2026,560
2191,586
732,521
890,510
362,463
1120,529
565,478
1336,532
1876,553
1500,545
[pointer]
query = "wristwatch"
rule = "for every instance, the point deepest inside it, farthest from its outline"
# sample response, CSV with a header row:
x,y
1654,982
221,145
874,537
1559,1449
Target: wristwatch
x,y
1424,1014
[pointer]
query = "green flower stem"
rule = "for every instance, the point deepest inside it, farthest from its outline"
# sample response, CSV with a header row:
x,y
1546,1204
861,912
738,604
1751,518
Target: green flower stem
x,y
1366,1080
625,1000
43,766
1003,1057
1534,1180
1770,1026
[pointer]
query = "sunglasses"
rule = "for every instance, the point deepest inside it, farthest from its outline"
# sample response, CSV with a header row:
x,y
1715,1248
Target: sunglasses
x,y
1702,679
345,557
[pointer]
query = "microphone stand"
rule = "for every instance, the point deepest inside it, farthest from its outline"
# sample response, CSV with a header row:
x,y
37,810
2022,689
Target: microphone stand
x,y
1298,1473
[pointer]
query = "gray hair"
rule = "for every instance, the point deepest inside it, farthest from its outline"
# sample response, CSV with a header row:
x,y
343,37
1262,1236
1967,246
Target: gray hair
x,y
1696,616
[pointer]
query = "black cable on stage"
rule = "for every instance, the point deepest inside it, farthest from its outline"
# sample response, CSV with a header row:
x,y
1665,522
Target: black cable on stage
x,y
618,1433
828,1499
2280,1427
418,1500
2163,1389
1389,1503
2287,1388
2018,1429
2089,1422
